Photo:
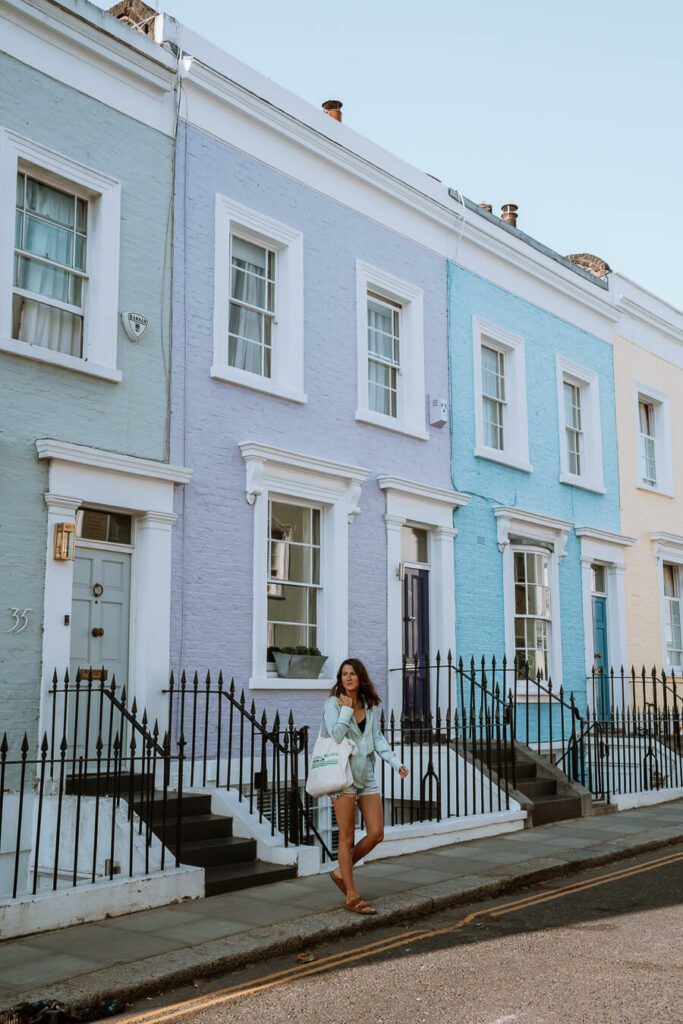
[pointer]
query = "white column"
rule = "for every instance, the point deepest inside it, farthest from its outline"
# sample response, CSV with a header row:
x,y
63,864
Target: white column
x,y
442,608
57,601
151,614
589,641
617,630
394,526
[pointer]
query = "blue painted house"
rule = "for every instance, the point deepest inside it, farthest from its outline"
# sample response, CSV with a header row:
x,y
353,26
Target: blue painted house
x,y
539,554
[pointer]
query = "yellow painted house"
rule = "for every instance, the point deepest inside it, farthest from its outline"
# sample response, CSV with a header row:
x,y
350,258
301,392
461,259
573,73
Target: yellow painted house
x,y
648,372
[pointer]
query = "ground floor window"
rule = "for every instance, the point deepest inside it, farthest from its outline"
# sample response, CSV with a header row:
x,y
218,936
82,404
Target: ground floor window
x,y
533,612
672,613
294,583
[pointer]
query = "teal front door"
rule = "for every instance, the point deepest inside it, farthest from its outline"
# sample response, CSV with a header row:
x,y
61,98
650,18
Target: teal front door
x,y
601,696
100,614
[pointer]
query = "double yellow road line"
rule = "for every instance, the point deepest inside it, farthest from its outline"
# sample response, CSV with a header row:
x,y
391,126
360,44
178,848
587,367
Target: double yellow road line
x,y
334,960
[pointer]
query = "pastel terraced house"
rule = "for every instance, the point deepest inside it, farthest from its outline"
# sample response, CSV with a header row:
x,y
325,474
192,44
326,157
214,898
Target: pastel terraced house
x,y
540,553
648,372
86,161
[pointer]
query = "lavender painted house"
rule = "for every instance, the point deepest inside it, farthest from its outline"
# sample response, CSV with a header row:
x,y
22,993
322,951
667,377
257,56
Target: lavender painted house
x,y
310,348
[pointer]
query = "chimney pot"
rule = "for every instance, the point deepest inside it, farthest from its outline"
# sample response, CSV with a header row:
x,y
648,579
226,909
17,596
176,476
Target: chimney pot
x,y
509,214
485,206
333,108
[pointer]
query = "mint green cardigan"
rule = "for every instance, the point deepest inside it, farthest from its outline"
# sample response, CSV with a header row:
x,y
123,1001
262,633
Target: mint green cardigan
x,y
339,722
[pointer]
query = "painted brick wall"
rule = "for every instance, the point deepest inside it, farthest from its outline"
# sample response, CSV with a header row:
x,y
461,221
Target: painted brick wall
x,y
45,401
212,610
479,592
644,512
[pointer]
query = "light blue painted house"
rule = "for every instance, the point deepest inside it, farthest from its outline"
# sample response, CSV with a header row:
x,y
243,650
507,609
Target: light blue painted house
x,y
539,555
86,158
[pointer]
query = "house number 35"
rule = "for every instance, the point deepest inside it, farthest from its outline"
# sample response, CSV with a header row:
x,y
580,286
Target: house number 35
x,y
19,619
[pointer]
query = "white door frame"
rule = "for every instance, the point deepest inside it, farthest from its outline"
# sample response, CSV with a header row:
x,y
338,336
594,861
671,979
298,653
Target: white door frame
x,y
431,509
78,475
608,550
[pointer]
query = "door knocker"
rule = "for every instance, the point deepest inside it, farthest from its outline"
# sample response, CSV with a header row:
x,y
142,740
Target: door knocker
x,y
98,589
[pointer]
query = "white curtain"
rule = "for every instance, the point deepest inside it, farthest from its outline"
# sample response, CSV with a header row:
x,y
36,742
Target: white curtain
x,y
48,327
246,326
37,322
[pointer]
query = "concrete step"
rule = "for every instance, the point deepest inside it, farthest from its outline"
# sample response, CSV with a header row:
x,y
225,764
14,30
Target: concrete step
x,y
194,828
535,788
106,783
214,853
191,805
523,770
555,808
242,876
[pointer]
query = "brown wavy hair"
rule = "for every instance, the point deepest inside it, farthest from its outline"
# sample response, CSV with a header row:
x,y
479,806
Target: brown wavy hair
x,y
366,689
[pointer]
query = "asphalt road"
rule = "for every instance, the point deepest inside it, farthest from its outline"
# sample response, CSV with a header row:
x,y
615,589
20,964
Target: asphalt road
x,y
603,946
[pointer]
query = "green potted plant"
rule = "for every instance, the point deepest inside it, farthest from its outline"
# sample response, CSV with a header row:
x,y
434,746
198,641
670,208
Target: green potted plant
x,y
298,662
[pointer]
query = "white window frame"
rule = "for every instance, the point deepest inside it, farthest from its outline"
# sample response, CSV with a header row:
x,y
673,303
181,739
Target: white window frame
x,y
515,451
273,473
100,311
410,398
287,357
663,450
668,547
517,530
591,477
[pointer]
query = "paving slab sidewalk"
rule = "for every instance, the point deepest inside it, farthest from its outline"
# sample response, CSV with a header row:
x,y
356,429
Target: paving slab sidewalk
x,y
141,954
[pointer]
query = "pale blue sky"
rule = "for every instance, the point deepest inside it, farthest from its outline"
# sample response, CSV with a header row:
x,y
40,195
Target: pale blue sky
x,y
571,110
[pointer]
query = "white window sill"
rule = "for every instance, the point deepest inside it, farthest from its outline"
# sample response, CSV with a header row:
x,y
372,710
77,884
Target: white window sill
x,y
45,355
256,383
503,458
586,485
663,491
533,695
276,683
376,419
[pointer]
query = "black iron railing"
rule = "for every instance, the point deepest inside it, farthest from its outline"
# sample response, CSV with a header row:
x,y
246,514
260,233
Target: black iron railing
x,y
227,744
80,807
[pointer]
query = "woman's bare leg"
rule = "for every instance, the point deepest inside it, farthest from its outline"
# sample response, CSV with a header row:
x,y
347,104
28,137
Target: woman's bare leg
x,y
345,813
373,816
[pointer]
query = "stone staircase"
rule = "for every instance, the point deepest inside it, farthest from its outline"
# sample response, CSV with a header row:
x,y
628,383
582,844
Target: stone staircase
x,y
207,841
229,861
544,791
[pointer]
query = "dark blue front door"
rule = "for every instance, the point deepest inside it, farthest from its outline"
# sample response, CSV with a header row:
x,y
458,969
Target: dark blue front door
x,y
416,643
601,697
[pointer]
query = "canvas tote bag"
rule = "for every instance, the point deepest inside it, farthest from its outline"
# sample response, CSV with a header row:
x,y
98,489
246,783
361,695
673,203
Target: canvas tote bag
x,y
330,768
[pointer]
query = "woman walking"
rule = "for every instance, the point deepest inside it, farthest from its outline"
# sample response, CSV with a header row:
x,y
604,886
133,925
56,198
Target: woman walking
x,y
351,710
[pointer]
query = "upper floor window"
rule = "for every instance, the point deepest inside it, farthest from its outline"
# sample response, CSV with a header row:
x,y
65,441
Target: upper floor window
x,y
258,302
572,426
500,404
252,306
50,277
578,396
59,267
653,433
390,352
493,396
647,450
384,355
673,628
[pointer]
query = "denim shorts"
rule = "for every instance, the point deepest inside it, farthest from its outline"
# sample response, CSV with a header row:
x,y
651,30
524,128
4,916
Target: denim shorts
x,y
371,786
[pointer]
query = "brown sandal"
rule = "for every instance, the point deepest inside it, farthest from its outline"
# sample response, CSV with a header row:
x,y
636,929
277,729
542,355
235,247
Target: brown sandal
x,y
359,906
339,882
